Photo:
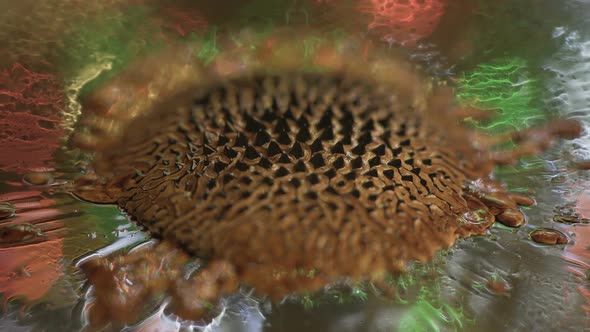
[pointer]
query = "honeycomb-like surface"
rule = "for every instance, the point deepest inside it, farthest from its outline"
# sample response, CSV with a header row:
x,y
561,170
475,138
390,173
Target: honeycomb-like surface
x,y
294,173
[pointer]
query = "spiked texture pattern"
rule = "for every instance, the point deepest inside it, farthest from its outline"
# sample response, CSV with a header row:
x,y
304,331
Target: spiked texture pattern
x,y
298,180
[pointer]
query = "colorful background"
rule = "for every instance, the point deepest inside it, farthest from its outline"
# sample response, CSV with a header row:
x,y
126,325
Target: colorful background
x,y
524,60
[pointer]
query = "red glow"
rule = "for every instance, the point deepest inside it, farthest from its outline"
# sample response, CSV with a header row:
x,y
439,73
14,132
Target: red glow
x,y
29,268
34,216
30,125
29,271
403,21
578,254
578,257
19,195
583,204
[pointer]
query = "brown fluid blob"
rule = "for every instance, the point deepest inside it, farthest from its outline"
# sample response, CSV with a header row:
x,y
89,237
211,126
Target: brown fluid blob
x,y
38,178
269,175
548,236
125,285
7,210
205,293
511,218
582,165
569,214
498,286
569,219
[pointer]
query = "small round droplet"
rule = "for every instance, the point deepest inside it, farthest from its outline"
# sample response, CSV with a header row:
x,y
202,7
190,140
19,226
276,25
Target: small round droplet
x,y
511,218
7,210
38,178
548,236
18,232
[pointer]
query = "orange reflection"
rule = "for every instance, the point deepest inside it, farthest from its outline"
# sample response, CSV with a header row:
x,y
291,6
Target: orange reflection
x,y
29,271
583,203
403,22
578,254
19,195
30,267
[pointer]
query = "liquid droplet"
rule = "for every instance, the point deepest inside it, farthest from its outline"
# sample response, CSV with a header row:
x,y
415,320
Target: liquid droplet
x,y
511,218
548,236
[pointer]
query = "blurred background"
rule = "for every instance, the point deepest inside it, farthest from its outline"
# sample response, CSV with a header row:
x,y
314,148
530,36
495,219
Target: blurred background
x,y
527,59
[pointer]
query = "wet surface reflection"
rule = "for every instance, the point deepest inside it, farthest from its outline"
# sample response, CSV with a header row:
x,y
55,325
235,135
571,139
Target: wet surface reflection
x,y
527,59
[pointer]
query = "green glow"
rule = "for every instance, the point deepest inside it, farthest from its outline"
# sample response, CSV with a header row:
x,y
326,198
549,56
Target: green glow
x,y
359,294
206,45
97,227
427,315
120,36
263,31
308,302
420,298
506,86
338,294
106,219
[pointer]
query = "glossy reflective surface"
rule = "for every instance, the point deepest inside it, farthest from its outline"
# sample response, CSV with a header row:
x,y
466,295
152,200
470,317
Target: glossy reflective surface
x,y
529,59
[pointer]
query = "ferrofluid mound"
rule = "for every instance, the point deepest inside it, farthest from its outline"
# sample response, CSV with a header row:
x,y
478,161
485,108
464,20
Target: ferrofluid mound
x,y
272,174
